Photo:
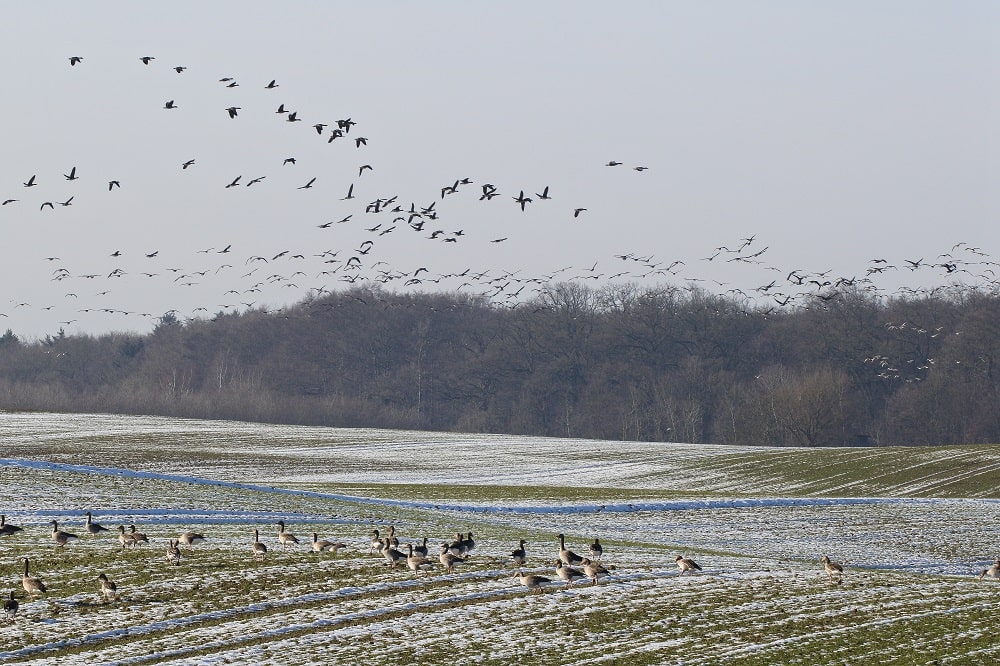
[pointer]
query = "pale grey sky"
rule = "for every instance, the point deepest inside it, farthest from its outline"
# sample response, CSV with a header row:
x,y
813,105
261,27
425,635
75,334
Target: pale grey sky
x,y
832,133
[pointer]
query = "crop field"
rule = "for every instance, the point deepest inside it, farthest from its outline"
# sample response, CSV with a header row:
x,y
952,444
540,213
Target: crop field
x,y
912,527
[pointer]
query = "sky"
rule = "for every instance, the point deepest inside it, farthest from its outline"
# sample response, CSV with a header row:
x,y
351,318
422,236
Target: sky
x,y
780,141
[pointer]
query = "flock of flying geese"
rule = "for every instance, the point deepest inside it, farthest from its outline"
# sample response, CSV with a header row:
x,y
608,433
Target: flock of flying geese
x,y
570,567
311,271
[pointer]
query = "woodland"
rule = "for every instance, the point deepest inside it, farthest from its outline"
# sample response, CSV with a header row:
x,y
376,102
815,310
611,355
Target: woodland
x,y
621,362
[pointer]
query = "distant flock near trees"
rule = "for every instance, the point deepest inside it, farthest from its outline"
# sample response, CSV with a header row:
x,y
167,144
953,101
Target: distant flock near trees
x,y
569,567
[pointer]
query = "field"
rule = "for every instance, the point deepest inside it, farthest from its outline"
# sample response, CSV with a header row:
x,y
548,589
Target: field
x,y
914,527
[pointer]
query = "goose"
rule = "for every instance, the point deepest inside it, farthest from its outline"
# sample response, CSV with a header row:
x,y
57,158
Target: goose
x,y
596,549
519,555
61,538
531,581
375,546
992,572
259,549
415,560
565,555
594,570
7,528
174,553
393,557
10,607
109,591
125,539
422,548
285,538
189,539
319,545
392,539
94,528
448,558
138,537
33,586
568,574
832,568
468,543
686,565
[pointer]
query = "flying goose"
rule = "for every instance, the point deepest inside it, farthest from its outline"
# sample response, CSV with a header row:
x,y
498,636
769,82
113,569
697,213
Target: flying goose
x,y
109,591
832,568
10,607
61,538
33,586
259,549
568,574
189,539
7,528
565,555
285,538
174,553
686,565
94,528
594,570
519,555
319,545
531,581
992,572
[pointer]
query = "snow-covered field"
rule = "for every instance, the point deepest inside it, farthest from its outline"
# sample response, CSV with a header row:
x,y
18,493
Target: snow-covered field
x,y
913,527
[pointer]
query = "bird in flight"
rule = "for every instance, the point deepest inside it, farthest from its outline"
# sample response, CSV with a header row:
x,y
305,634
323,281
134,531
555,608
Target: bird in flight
x,y
113,183
179,69
233,111
8,201
270,85
577,211
71,175
362,168
187,164
293,117
47,203
544,194
256,180
307,185
31,182
145,59
288,160
521,199
74,60
234,183
360,141
612,163
68,202
170,105
350,193
640,168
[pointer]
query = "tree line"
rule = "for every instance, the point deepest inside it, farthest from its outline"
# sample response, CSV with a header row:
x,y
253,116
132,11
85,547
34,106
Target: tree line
x,y
664,363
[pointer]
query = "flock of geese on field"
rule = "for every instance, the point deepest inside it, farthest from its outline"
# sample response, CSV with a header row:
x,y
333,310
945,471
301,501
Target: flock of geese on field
x,y
89,289
570,567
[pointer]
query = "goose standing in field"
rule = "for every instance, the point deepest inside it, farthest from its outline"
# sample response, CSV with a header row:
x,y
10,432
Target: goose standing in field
x,y
833,569
320,545
594,570
519,554
686,565
189,539
61,538
32,585
414,560
596,549
456,547
567,556
285,538
7,528
468,544
109,591
531,581
126,540
568,574
137,537
174,553
10,607
393,557
992,572
448,558
422,548
375,546
93,529
259,549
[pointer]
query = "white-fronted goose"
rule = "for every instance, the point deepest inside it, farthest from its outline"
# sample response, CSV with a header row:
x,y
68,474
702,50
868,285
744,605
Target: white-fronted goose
x,y
415,560
392,556
189,539
285,538
320,545
448,558
568,574
10,606
531,581
93,529
259,549
33,586
567,556
686,565
594,570
7,528
137,537
109,591
61,538
519,554
126,540
422,548
833,569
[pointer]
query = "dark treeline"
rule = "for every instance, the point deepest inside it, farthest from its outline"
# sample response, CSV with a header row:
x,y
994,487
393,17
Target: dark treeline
x,y
622,362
